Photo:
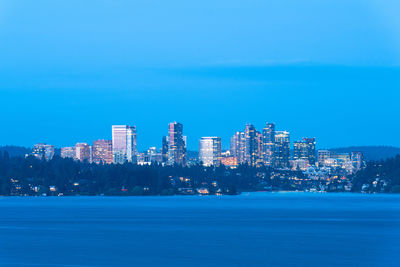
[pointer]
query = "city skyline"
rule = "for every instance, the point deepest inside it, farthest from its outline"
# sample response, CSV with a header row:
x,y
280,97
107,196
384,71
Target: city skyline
x,y
123,140
264,132
268,147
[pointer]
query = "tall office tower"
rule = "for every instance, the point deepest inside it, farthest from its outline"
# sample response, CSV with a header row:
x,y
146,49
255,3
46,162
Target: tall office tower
x,y
300,150
305,150
251,145
310,149
323,155
238,147
164,149
124,143
282,149
185,147
259,140
176,144
269,144
68,152
82,152
210,151
357,158
43,151
102,152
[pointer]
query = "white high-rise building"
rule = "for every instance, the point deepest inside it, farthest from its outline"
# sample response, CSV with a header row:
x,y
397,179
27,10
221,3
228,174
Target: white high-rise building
x,y
210,151
83,152
124,143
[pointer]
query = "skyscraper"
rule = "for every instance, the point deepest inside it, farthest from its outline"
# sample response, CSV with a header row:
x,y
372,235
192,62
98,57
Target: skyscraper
x,y
210,151
282,149
269,144
300,150
82,152
259,141
238,147
247,146
251,152
164,149
124,143
305,150
310,149
102,151
176,144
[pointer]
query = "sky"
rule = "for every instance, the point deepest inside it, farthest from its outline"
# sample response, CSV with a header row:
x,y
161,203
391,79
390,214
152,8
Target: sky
x,y
326,69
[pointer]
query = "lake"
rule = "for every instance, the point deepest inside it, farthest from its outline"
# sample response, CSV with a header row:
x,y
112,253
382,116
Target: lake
x,y
253,229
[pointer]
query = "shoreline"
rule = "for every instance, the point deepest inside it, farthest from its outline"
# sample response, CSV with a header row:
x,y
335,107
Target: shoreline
x,y
252,193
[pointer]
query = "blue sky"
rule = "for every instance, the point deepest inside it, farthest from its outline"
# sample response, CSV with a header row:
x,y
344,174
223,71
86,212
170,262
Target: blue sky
x,y
329,69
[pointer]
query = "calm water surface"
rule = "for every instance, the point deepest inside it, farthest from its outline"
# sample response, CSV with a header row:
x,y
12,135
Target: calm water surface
x,y
258,229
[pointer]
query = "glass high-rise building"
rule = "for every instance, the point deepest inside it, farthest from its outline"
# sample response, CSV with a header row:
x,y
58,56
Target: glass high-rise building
x,y
124,143
164,149
176,144
210,151
282,149
300,150
305,150
251,145
259,141
247,146
237,147
310,149
269,144
102,151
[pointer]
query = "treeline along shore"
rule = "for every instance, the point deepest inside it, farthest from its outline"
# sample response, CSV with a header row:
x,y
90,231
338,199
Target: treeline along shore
x,y
29,176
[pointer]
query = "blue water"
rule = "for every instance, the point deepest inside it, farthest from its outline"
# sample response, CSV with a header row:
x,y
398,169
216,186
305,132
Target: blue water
x,y
258,229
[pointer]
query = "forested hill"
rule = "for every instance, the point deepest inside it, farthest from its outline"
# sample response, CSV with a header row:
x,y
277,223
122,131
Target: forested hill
x,y
16,151
371,152
379,176
31,176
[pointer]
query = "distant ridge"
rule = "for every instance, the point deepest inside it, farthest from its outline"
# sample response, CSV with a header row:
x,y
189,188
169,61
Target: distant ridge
x,y
371,152
15,151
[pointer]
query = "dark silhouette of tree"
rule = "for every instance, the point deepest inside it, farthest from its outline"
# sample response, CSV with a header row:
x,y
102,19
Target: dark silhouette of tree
x,y
31,176
379,176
